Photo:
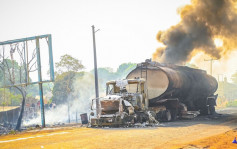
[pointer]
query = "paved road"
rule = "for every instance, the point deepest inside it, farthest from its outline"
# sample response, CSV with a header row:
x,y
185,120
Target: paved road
x,y
165,136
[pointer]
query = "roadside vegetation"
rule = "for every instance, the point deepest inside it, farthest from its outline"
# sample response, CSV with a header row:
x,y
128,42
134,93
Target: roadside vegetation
x,y
232,103
71,83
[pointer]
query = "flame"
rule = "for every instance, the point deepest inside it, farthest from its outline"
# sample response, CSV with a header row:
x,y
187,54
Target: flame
x,y
218,42
209,27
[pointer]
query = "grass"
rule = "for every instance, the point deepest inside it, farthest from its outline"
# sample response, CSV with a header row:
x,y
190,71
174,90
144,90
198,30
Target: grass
x,y
12,132
7,108
232,103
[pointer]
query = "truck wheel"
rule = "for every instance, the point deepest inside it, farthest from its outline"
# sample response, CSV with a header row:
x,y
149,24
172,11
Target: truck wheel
x,y
212,110
204,111
174,113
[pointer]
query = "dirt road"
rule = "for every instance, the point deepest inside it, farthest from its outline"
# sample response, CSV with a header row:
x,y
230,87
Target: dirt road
x,y
167,135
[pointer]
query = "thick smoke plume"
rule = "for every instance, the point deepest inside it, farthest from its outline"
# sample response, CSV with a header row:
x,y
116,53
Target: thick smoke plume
x,y
202,22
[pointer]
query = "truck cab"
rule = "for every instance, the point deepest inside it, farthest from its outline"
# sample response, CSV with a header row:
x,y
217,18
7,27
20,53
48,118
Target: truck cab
x,y
123,99
132,90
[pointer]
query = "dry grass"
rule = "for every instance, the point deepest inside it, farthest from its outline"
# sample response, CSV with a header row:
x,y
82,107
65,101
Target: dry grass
x,y
7,108
221,141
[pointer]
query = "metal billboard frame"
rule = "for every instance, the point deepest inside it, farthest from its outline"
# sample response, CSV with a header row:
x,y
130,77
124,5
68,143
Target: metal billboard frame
x,y
40,82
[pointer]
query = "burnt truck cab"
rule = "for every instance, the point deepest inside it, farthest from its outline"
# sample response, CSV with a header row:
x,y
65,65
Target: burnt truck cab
x,y
123,98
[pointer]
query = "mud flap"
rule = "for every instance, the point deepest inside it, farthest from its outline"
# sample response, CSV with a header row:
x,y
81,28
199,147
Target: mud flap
x,y
211,103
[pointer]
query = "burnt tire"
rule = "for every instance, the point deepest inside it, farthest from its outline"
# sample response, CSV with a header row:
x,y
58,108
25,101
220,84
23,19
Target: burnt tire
x,y
174,113
212,110
204,111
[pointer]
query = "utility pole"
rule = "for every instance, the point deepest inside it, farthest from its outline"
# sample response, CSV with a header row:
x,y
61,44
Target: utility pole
x,y
211,60
95,70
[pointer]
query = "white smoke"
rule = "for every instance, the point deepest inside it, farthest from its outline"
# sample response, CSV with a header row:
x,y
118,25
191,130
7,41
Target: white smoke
x,y
79,99
78,102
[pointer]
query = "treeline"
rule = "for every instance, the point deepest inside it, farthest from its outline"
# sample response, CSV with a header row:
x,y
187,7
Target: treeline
x,y
71,82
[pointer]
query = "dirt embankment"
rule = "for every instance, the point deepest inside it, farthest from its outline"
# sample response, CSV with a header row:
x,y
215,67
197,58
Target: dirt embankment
x,y
221,141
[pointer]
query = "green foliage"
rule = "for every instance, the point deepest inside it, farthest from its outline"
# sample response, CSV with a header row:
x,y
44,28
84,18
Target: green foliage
x,y
63,87
8,98
30,128
234,78
11,64
232,103
16,100
68,63
124,69
227,90
84,86
50,101
67,69
81,84
33,90
5,97
12,132
106,74
4,67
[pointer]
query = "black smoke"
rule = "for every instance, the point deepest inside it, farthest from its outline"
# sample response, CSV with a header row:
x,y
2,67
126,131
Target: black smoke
x,y
201,22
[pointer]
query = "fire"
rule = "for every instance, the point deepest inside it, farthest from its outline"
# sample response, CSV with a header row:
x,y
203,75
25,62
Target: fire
x,y
218,42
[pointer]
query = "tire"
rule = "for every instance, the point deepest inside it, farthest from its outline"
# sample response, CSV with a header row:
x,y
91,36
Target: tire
x,y
174,113
212,110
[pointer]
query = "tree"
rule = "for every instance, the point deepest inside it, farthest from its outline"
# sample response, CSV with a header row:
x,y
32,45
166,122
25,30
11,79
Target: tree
x,y
5,97
68,63
10,69
66,70
124,69
105,74
234,78
63,87
8,98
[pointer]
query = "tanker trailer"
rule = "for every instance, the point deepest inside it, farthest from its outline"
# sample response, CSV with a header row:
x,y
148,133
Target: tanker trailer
x,y
193,88
155,92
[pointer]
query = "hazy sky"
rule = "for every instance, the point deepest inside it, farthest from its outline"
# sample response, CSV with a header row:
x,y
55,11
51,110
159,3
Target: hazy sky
x,y
127,33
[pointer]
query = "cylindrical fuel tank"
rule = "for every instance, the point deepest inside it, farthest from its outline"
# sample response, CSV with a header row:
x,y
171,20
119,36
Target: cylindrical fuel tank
x,y
190,86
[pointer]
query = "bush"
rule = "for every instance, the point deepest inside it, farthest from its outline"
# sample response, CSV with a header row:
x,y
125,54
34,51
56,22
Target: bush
x,y
232,103
12,132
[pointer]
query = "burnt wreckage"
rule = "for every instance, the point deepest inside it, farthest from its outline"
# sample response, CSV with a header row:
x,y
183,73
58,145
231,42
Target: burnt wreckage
x,y
155,92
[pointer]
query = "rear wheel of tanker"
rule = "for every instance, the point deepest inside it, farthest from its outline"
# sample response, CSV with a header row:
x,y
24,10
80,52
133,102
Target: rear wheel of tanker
x,y
174,113
212,110
204,111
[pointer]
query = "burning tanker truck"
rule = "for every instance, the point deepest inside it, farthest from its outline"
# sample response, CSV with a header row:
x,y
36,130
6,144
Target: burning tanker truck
x,y
155,92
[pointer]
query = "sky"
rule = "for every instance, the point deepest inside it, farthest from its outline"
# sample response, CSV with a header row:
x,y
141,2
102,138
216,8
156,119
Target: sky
x,y
127,28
